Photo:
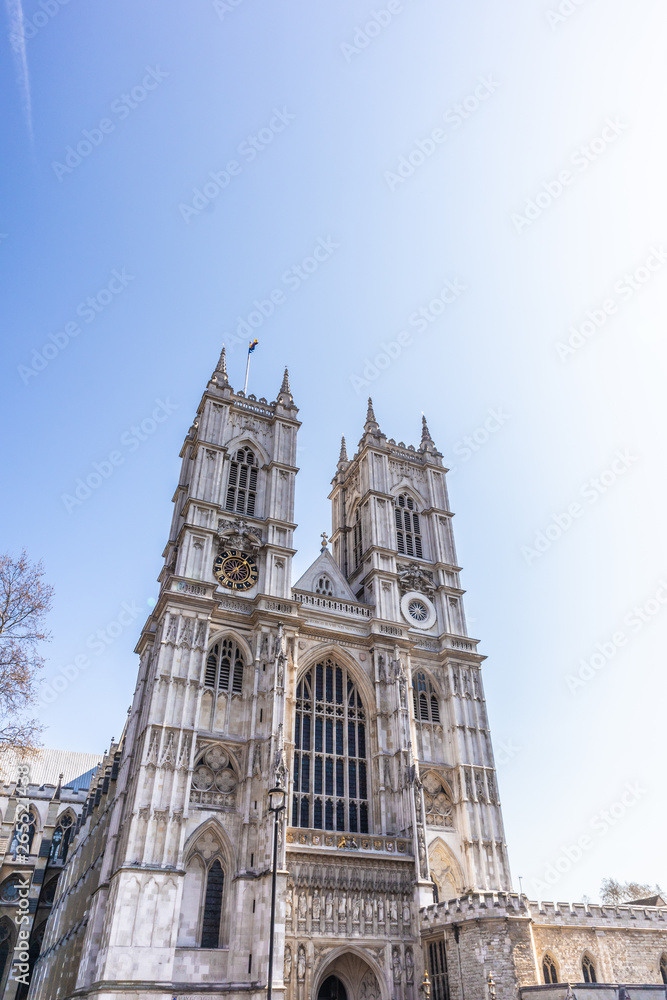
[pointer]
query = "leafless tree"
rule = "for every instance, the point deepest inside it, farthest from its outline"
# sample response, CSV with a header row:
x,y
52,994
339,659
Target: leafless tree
x,y
613,892
25,600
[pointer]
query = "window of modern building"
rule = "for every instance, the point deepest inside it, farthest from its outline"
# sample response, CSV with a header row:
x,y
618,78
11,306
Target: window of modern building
x,y
224,667
549,970
330,780
588,969
242,483
408,532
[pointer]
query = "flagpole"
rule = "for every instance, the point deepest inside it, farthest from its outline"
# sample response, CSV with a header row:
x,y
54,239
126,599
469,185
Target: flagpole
x,y
247,371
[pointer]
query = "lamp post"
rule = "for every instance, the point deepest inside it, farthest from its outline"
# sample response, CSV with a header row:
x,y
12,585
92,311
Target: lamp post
x,y
276,806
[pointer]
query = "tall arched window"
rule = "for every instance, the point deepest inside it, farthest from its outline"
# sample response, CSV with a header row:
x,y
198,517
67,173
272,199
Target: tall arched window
x,y
588,969
224,667
408,533
357,538
62,836
425,699
242,484
215,883
549,970
330,756
663,968
323,586
26,825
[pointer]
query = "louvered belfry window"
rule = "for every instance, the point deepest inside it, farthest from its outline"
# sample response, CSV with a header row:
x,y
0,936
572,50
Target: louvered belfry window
x,y
408,532
330,777
425,699
215,883
242,485
224,667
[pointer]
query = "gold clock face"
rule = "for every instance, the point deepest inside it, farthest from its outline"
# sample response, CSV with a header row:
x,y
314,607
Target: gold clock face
x,y
235,570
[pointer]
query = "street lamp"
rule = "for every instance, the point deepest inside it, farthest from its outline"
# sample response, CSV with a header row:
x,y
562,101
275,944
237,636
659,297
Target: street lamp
x,y
276,805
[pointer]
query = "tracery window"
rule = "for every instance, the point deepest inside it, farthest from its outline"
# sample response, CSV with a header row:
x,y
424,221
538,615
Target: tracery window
x,y
215,884
324,586
588,969
62,836
9,891
357,539
224,667
425,699
26,825
242,483
549,970
663,968
330,780
408,532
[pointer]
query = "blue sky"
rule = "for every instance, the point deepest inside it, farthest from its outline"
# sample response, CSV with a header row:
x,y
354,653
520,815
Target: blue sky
x,y
176,164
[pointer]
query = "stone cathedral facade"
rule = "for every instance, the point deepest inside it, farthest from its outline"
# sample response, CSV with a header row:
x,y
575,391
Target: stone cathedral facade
x,y
356,688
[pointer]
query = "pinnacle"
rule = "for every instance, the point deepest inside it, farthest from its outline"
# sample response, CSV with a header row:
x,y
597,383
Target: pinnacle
x,y
426,434
343,451
370,415
285,386
221,366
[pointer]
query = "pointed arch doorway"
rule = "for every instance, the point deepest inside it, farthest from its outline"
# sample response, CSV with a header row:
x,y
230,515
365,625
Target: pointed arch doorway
x,y
332,989
347,977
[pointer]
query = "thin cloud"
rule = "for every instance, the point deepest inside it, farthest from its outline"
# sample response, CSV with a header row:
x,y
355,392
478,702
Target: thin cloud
x,y
17,39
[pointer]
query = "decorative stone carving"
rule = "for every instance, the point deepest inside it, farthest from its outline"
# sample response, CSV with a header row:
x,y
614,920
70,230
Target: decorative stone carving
x,y
288,907
328,907
413,577
238,534
301,964
369,989
287,968
302,907
317,908
438,804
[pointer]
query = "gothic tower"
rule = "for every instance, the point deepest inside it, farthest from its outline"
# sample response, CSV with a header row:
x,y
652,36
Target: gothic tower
x,y
356,688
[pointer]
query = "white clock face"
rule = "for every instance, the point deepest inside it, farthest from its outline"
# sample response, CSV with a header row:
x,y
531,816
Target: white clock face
x,y
418,610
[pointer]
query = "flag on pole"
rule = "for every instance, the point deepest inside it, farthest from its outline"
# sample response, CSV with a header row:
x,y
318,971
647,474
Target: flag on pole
x,y
253,344
251,347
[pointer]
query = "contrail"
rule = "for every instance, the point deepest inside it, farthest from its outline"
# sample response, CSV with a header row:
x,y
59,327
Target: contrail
x,y
17,39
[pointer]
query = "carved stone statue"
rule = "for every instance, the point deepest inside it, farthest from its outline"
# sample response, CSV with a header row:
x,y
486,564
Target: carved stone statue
x,y
368,910
409,965
393,911
342,906
406,912
301,963
288,908
303,906
328,907
287,970
356,910
317,907
381,910
396,964
388,783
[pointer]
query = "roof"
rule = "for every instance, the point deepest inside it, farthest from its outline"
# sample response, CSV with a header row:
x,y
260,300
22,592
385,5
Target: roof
x,y
325,565
77,768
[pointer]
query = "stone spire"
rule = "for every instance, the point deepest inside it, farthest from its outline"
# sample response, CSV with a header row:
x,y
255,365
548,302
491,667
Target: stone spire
x,y
343,451
285,395
371,423
220,373
427,442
